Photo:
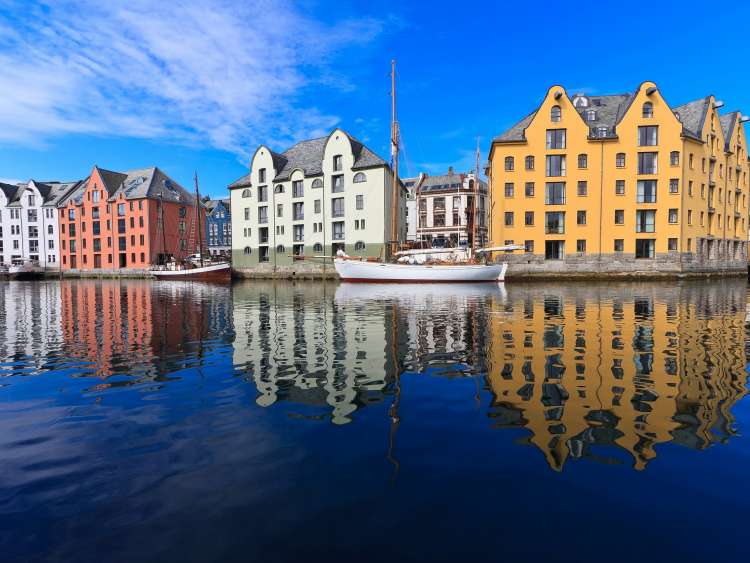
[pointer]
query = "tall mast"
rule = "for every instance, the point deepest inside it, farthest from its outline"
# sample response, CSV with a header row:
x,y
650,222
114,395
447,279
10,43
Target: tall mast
x,y
476,203
198,218
394,159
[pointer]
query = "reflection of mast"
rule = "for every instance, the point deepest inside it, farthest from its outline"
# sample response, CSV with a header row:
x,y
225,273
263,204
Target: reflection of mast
x,y
393,410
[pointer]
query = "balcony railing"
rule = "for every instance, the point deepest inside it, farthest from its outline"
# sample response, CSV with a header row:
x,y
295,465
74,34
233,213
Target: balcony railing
x,y
298,217
554,229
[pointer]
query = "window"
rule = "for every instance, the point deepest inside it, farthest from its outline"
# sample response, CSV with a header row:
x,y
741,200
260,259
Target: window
x,y
337,207
263,215
644,248
360,202
619,245
646,191
555,165
528,246
121,210
359,246
555,138
690,188
601,132
262,176
690,161
554,193
529,189
338,184
278,189
674,158
645,221
317,183
262,193
672,216
120,226
298,211
591,115
509,163
95,196
247,214
338,230
581,217
297,188
554,222
508,218
528,218
280,249
672,244
620,160
316,206
337,163
619,216
648,136
674,186
263,254
317,247
529,162
619,187
583,187
555,114
359,177
509,189
647,162
554,250
648,110
690,217
581,246
583,161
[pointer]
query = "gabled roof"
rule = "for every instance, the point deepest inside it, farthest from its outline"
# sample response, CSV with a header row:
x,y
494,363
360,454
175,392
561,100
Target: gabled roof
x,y
728,122
692,115
9,190
212,204
308,157
112,180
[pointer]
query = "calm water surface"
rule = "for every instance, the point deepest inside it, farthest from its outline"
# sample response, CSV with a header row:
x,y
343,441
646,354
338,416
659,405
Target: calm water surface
x,y
161,421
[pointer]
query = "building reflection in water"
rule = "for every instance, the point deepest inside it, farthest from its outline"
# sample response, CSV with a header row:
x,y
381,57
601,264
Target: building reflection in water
x,y
142,328
629,366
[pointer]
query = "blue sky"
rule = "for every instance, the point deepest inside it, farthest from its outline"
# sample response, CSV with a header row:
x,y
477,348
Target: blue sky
x,y
197,84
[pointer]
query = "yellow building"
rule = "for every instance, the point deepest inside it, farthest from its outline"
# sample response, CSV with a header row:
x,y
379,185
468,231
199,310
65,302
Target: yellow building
x,y
621,183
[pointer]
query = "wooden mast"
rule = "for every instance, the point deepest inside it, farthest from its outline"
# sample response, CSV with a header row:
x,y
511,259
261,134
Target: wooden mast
x,y
476,203
394,158
198,217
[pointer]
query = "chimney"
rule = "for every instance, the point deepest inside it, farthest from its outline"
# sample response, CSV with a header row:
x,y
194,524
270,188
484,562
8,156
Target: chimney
x,y
450,171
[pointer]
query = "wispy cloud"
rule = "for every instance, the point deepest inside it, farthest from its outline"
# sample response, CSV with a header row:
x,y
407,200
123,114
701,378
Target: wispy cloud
x,y
9,181
223,73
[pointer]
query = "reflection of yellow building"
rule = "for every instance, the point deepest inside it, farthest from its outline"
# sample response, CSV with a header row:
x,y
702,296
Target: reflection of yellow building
x,y
626,366
621,183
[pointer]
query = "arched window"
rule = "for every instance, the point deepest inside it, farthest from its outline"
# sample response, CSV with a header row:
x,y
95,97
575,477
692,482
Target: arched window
x,y
280,249
279,189
583,161
359,246
317,183
508,163
530,162
247,251
359,177
648,109
50,229
246,192
555,114
620,160
317,247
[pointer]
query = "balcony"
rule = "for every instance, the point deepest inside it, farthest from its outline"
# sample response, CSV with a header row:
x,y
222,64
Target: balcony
x,y
298,217
554,229
711,209
299,238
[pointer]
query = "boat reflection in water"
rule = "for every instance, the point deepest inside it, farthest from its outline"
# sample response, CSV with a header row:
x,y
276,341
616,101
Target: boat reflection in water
x,y
584,368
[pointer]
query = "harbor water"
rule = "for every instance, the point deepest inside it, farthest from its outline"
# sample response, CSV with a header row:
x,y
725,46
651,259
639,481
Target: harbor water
x,y
176,421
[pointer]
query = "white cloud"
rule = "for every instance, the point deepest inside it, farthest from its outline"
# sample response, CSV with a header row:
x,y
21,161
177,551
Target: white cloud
x,y
228,74
10,181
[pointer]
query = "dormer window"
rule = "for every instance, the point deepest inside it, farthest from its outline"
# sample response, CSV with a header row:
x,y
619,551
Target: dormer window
x,y
591,115
580,101
648,110
555,114
337,163
601,131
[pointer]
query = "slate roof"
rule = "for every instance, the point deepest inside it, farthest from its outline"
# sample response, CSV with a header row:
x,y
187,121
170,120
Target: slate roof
x,y
211,204
9,190
51,191
308,156
141,183
728,122
693,116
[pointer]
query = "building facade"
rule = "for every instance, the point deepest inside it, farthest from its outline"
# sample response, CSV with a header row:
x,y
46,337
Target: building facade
x,y
219,226
442,207
28,222
621,183
317,197
115,221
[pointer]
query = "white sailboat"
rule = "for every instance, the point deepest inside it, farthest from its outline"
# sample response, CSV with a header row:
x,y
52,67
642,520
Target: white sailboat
x,y
416,265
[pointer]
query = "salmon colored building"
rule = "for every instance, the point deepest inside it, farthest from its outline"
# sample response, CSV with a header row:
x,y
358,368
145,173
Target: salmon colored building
x,y
113,221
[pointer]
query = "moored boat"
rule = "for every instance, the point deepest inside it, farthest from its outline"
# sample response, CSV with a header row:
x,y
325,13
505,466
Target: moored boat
x,y
211,272
379,272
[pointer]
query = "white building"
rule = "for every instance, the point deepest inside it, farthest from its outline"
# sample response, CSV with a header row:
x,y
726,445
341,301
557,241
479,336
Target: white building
x,y
28,222
441,207
313,199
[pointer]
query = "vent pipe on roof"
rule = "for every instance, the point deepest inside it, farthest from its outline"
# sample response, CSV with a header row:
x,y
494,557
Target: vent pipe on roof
x,y
718,104
650,91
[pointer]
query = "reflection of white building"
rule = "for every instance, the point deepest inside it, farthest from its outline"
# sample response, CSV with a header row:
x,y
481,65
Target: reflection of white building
x,y
31,330
442,207
302,346
28,222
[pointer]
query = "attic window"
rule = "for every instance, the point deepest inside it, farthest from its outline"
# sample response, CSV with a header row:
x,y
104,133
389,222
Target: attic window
x,y
601,131
246,192
317,183
648,110
555,114
580,101
591,115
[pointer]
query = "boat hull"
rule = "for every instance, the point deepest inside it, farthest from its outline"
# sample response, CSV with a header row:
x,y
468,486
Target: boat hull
x,y
215,272
359,271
